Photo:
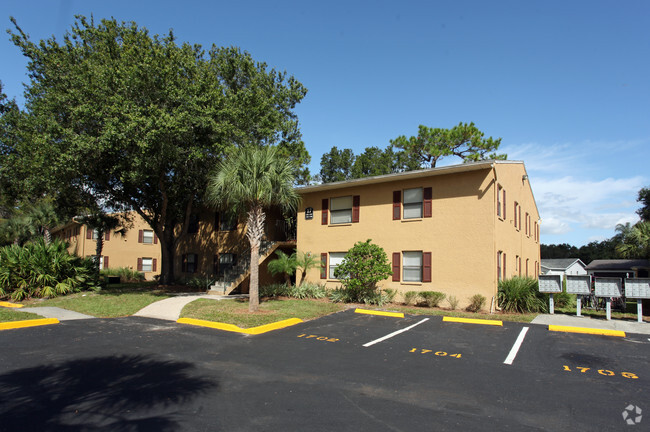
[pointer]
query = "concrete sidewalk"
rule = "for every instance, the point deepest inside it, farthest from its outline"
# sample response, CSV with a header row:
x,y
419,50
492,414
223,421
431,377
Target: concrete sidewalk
x,y
170,308
582,321
55,312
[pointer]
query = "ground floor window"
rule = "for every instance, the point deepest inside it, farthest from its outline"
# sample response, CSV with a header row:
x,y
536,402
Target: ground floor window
x,y
147,264
412,266
336,258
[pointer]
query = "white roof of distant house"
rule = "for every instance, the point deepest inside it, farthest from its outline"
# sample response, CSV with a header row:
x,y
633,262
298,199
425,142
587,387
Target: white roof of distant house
x,y
561,263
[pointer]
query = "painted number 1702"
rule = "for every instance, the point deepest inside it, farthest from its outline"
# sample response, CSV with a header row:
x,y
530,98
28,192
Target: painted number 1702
x,y
320,338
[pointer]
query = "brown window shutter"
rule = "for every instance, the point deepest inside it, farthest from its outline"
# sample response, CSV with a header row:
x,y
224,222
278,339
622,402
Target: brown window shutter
x,y
184,263
216,221
140,236
426,267
105,262
324,212
427,209
356,202
89,233
155,239
107,235
215,264
323,266
504,204
397,205
139,264
396,266
153,264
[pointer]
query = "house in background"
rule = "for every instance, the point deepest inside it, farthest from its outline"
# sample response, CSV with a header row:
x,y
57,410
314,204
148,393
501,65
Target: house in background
x,y
138,249
455,229
563,266
623,268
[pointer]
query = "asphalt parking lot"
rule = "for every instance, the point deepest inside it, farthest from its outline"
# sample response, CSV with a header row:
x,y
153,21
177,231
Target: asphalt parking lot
x,y
346,372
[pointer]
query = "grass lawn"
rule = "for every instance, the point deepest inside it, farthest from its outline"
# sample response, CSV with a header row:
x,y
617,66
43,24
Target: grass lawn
x,y
113,301
15,315
236,311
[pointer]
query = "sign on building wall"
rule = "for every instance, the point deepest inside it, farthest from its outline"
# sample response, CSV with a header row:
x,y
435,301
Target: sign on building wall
x,y
578,284
608,287
550,283
309,213
637,288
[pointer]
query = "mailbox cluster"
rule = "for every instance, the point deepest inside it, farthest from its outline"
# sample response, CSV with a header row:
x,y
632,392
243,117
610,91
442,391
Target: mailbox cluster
x,y
605,287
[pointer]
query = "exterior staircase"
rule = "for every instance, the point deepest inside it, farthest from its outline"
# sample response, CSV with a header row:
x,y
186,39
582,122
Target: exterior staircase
x,y
230,280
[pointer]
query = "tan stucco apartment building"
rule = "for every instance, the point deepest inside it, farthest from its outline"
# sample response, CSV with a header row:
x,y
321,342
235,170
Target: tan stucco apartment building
x,y
138,249
455,229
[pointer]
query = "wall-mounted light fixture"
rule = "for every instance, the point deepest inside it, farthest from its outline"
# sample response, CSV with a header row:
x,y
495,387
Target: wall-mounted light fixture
x,y
524,177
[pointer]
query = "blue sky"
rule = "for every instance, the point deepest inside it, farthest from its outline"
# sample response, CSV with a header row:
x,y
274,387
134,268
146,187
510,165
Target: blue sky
x,y
565,84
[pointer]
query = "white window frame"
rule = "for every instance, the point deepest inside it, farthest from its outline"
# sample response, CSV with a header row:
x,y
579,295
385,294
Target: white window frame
x,y
413,199
341,210
411,265
147,236
95,234
334,260
147,265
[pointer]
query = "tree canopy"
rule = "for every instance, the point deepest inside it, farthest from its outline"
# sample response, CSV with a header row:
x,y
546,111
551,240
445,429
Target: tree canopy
x,y
125,120
339,165
644,199
464,140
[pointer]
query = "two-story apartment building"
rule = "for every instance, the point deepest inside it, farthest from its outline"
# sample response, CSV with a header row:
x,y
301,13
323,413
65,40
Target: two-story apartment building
x,y
455,229
137,249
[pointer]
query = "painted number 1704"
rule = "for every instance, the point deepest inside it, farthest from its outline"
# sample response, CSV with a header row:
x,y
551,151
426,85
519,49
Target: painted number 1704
x,y
438,353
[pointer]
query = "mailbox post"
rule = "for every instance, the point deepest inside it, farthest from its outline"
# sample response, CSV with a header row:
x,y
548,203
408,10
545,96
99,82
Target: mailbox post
x,y
638,289
579,285
608,288
550,284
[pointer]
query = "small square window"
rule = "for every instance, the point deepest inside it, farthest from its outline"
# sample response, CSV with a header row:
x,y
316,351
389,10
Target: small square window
x,y
147,264
336,258
95,234
413,203
341,210
228,222
147,236
412,264
190,266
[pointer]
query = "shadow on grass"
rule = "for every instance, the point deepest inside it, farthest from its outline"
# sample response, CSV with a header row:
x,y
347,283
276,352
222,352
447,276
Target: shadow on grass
x,y
125,393
147,287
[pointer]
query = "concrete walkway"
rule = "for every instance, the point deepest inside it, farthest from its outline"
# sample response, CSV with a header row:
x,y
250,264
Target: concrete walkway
x,y
583,321
55,312
170,308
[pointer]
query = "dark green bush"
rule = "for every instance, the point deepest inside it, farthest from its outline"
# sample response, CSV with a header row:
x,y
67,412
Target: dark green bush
x,y
43,270
431,298
126,274
476,303
520,294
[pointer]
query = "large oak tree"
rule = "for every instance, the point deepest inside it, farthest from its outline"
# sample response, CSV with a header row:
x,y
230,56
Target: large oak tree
x,y
127,120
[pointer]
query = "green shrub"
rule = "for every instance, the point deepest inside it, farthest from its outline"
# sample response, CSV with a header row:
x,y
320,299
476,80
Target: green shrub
x,y
520,294
274,290
453,302
198,283
476,303
410,297
126,274
43,270
431,298
339,295
364,265
307,290
388,295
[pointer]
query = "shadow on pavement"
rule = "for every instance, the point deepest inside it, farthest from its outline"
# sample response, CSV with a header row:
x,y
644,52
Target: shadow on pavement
x,y
115,393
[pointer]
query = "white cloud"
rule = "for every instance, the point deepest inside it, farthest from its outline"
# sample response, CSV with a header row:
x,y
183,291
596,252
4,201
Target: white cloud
x,y
576,193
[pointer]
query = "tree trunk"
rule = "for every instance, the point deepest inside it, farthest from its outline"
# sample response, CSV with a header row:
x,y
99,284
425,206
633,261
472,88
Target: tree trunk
x,y
287,280
255,232
167,261
98,249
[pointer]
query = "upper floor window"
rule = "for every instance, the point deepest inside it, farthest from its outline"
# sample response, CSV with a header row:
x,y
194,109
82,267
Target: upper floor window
x,y
501,202
193,225
226,221
147,236
341,210
413,203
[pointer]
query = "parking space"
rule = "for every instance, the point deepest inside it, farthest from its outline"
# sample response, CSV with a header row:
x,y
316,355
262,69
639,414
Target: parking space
x,y
347,371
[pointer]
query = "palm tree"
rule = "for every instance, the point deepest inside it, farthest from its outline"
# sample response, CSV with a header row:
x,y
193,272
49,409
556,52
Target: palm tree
x,y
285,264
636,241
102,223
250,180
305,262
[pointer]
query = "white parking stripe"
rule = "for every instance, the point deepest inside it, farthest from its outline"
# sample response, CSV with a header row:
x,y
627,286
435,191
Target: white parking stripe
x,y
516,346
388,336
